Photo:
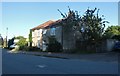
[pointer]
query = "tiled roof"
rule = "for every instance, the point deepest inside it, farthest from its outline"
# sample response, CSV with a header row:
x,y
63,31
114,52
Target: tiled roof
x,y
43,25
46,24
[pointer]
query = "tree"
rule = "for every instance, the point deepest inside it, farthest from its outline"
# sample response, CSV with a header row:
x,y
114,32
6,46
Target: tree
x,y
93,28
90,26
10,42
30,38
22,42
112,31
19,37
117,37
69,23
70,20
93,25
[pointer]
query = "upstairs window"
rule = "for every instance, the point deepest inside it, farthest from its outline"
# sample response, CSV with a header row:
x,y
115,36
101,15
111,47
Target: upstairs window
x,y
52,31
38,33
32,34
44,31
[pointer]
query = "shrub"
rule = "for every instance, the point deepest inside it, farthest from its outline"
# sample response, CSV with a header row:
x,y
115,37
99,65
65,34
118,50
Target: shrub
x,y
22,43
53,45
21,47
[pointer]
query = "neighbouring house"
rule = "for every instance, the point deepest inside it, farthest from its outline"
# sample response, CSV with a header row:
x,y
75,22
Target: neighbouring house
x,y
41,33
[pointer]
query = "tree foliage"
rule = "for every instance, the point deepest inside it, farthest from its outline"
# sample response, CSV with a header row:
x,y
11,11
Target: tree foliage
x,y
19,37
90,25
10,42
70,20
30,38
87,29
112,31
22,42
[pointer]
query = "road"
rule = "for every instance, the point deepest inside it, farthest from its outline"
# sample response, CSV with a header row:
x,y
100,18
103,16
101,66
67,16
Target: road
x,y
14,63
0,61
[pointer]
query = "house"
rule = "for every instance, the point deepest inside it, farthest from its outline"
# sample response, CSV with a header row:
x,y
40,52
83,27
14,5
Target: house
x,y
41,33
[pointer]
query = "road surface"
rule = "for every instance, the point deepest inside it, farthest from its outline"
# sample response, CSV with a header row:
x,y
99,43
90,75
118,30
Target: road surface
x,y
0,61
13,63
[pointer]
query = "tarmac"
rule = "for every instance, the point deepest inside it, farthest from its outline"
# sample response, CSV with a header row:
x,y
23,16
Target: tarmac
x,y
102,57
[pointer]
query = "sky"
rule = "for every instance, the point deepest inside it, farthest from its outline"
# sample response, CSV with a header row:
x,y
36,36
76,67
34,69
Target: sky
x,y
20,17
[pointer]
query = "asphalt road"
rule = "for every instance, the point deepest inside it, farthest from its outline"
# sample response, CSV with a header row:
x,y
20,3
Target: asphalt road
x,y
13,63
0,61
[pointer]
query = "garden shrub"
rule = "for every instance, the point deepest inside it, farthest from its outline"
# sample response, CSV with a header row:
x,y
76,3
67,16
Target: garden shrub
x,y
53,45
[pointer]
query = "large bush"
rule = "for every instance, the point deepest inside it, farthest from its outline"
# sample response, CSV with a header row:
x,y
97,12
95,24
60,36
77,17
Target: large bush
x,y
54,45
112,32
22,43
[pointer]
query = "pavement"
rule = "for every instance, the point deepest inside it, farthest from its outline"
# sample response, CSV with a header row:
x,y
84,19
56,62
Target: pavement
x,y
104,57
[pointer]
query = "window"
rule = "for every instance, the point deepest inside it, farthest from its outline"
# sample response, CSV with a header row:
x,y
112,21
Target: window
x,y
44,31
52,31
38,43
32,34
38,33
